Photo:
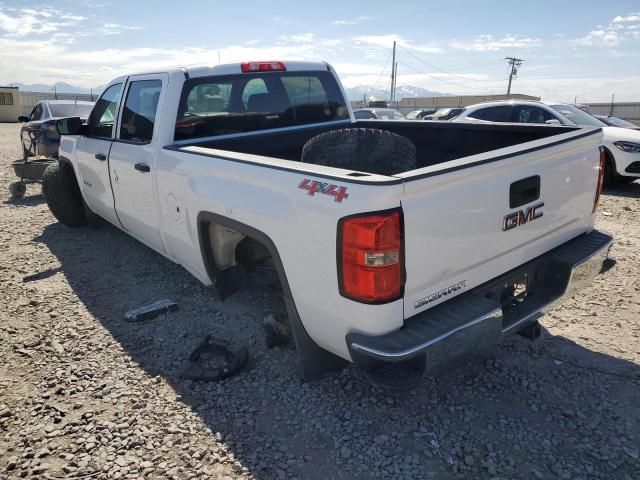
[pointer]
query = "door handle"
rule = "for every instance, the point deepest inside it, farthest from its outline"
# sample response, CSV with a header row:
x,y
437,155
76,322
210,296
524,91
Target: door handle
x,y
101,156
143,167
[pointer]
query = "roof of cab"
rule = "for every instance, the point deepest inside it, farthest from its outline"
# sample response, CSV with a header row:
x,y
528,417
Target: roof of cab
x,y
235,68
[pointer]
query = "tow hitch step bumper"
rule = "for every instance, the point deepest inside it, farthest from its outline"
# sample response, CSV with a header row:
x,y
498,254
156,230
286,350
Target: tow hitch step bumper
x,y
476,320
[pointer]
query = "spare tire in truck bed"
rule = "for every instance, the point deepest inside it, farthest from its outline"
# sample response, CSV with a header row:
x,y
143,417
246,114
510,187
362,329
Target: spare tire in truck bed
x,y
362,149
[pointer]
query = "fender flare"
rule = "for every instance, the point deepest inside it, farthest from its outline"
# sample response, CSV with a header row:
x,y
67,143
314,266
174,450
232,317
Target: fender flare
x,y
315,361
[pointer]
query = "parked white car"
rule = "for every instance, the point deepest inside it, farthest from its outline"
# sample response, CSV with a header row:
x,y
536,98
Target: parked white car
x,y
622,146
399,245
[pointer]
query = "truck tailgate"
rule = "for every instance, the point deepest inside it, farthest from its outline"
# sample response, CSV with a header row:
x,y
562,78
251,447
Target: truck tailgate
x,y
469,220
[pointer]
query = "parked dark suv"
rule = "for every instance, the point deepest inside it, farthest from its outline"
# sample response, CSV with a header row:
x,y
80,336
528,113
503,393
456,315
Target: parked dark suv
x,y
38,135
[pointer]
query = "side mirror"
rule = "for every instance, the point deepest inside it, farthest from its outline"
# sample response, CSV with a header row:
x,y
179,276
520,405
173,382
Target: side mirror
x,y
69,126
553,121
23,118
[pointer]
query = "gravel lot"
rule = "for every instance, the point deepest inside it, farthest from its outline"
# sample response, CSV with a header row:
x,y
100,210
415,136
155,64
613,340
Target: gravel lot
x,y
84,394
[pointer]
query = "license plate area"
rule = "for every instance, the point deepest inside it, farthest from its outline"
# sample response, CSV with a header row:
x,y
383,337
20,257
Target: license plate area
x,y
515,291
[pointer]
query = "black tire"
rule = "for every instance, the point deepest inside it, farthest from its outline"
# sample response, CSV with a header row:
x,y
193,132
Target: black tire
x,y
60,189
18,189
609,171
627,179
362,149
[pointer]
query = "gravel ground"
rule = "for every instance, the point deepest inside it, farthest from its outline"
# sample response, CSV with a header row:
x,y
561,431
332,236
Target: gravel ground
x,y
84,394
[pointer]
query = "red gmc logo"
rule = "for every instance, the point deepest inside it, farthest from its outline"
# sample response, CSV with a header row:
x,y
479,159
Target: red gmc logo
x,y
521,217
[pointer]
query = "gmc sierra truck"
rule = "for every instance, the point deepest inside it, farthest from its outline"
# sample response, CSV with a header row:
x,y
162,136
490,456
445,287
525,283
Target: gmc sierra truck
x,y
399,245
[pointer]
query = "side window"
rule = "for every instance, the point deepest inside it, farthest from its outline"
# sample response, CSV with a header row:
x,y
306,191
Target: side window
x,y
253,87
36,114
304,90
363,115
493,114
103,115
139,114
532,114
208,98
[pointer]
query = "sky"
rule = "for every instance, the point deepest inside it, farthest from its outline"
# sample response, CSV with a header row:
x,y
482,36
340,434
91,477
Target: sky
x,y
586,49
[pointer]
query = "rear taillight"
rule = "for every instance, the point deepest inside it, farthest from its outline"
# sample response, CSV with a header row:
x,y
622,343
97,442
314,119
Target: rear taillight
x,y
370,257
603,161
249,67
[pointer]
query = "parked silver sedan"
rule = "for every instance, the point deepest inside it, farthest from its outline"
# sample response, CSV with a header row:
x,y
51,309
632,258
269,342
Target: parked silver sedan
x,y
378,114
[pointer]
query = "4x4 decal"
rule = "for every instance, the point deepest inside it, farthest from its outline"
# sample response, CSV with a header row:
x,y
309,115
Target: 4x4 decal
x,y
336,191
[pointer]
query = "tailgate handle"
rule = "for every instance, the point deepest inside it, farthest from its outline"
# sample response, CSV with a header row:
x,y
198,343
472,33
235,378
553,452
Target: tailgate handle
x,y
524,191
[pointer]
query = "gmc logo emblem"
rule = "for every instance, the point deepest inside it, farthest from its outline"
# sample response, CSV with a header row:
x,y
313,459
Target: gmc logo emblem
x,y
521,217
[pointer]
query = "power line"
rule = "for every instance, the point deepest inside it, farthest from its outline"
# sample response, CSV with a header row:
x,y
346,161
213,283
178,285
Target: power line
x,y
382,72
515,65
440,79
440,69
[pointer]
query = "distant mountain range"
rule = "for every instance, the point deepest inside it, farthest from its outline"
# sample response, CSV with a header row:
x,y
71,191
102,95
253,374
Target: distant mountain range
x,y
60,87
402,91
354,93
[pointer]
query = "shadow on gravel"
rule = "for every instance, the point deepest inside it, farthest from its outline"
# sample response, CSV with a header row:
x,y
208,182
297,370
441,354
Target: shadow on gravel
x,y
629,190
28,200
550,409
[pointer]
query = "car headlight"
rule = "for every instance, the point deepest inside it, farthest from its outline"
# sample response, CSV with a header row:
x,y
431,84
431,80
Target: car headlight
x,y
628,147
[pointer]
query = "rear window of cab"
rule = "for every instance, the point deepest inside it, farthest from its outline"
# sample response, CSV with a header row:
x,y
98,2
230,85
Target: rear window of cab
x,y
230,104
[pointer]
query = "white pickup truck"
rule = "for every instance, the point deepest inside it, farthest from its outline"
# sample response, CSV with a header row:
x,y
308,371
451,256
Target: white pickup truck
x,y
469,232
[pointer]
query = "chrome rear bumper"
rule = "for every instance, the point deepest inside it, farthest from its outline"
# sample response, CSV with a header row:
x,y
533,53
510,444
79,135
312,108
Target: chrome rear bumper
x,y
476,320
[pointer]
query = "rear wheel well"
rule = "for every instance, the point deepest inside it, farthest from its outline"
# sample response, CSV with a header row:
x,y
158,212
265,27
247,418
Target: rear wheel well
x,y
315,361
224,246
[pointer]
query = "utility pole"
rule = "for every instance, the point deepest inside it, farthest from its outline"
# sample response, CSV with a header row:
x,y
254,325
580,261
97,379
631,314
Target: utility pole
x,y
613,95
393,72
515,65
395,83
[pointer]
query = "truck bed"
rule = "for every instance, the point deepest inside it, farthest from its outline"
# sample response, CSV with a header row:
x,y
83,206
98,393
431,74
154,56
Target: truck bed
x,y
435,142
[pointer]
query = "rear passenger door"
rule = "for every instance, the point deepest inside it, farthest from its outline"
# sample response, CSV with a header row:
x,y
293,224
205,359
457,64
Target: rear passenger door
x,y
532,114
132,158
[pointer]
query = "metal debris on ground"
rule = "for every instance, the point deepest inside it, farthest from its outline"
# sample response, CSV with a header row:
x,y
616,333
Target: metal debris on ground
x,y
277,329
151,311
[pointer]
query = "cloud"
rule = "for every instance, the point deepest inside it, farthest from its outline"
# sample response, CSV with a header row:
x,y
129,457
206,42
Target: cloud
x,y
632,17
301,37
599,38
386,41
352,21
117,29
29,21
487,43
618,31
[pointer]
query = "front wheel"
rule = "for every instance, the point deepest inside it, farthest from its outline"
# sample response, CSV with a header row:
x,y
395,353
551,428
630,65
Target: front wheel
x,y
18,189
60,189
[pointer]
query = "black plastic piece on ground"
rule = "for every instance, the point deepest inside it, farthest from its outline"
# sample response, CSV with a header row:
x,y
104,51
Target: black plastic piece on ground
x,y
234,361
531,331
608,264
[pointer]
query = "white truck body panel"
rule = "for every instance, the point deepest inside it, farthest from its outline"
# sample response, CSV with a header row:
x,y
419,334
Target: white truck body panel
x,y
452,211
441,252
